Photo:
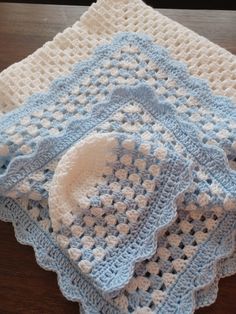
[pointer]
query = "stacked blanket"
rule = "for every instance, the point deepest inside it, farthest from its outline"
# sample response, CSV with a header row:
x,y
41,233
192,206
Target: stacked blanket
x,y
117,161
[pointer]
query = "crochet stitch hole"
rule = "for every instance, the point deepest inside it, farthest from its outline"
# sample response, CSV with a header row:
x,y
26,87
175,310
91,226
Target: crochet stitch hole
x,y
209,181
123,227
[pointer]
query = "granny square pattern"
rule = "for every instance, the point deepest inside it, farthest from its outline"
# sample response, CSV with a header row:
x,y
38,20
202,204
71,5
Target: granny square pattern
x,y
122,177
115,203
75,96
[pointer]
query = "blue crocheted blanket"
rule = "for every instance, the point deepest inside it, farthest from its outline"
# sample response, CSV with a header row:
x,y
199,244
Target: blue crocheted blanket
x,y
122,178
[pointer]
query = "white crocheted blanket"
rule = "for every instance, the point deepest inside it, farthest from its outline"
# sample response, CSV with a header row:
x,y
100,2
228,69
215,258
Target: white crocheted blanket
x,y
117,160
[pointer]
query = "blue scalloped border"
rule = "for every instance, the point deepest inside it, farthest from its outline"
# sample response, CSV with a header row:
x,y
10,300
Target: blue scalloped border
x,y
199,88
211,157
51,147
50,257
224,268
74,286
157,221
196,86
176,69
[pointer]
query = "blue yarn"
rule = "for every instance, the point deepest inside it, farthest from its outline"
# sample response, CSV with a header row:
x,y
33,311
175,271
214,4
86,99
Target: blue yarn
x,y
97,291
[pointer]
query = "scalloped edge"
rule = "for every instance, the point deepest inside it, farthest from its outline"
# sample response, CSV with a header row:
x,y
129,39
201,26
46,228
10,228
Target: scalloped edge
x,y
209,274
171,213
67,288
176,69
157,53
224,268
20,166
178,167
163,111
160,110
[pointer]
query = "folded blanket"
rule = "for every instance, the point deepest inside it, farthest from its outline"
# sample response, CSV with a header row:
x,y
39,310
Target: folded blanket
x,y
121,175
97,26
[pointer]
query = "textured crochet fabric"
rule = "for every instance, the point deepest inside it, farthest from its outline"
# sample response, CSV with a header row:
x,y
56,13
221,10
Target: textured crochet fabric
x,y
162,109
98,25
114,202
130,59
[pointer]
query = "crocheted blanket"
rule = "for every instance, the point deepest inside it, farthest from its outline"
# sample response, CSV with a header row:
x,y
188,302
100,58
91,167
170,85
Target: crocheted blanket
x,y
121,174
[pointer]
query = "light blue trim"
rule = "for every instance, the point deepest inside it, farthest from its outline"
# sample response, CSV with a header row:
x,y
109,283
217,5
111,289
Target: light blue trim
x,y
212,159
198,273
116,270
175,69
223,106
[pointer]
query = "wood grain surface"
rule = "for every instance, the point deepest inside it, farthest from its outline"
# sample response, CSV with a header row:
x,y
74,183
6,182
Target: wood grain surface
x,y
25,288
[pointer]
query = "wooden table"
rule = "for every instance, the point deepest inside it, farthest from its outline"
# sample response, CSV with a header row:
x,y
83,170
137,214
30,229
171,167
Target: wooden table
x,y
24,286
